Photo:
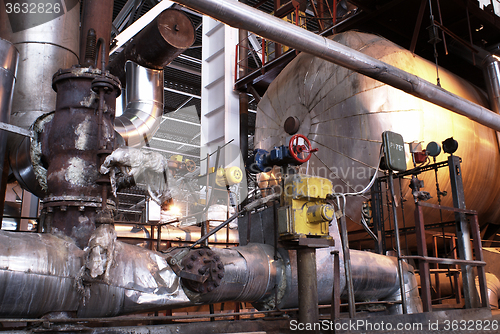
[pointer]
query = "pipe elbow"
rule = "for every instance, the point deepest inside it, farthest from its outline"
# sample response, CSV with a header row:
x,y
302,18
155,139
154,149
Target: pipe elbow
x,y
141,117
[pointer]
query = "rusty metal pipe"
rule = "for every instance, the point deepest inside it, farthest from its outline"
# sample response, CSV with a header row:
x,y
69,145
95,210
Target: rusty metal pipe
x,y
308,285
241,16
97,15
160,42
70,145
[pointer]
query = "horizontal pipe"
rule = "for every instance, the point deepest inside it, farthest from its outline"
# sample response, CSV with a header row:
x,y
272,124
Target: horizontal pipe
x,y
245,17
160,42
42,273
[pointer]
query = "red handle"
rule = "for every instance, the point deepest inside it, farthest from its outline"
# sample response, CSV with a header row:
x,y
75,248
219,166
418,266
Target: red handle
x,y
297,150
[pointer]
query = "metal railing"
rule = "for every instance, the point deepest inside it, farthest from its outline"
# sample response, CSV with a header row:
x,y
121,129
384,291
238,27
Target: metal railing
x,y
254,52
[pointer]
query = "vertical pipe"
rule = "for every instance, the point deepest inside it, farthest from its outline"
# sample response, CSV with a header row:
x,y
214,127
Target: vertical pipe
x,y
335,308
463,235
478,251
491,69
347,267
398,245
423,265
98,15
241,16
436,275
243,62
9,58
378,216
307,285
263,54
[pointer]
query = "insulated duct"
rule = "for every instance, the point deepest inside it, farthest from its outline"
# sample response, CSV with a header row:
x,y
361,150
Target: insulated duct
x,y
141,65
50,274
241,16
143,105
57,42
46,43
155,46
9,58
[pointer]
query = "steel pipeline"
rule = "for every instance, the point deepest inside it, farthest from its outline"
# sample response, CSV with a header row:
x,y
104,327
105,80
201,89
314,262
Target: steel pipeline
x,y
51,274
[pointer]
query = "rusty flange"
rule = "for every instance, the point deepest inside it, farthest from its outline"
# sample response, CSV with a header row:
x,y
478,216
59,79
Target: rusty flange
x,y
203,261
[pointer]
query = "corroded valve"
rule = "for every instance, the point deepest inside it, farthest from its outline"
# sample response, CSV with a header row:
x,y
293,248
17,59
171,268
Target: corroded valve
x,y
204,262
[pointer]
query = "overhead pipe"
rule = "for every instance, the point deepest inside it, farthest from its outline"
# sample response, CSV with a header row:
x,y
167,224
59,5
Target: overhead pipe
x,y
241,16
491,66
172,32
140,67
160,42
96,15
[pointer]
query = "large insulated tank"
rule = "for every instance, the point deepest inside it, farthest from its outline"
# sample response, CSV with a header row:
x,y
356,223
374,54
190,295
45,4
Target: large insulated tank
x,y
343,113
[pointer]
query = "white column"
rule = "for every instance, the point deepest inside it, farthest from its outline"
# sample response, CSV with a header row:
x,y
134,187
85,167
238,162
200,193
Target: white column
x,y
219,102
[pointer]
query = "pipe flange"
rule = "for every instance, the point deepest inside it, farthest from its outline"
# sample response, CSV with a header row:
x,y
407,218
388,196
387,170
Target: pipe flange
x,y
107,82
76,71
203,261
78,201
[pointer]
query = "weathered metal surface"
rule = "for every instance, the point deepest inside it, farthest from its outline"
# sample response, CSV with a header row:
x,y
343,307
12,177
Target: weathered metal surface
x,y
71,144
111,278
37,274
9,58
160,42
44,47
250,274
205,263
97,15
308,285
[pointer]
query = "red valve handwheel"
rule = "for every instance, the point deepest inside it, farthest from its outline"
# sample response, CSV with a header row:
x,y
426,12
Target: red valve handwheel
x,y
296,150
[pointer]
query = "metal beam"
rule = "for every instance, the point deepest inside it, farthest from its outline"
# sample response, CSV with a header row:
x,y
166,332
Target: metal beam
x,y
175,142
178,120
181,92
172,152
